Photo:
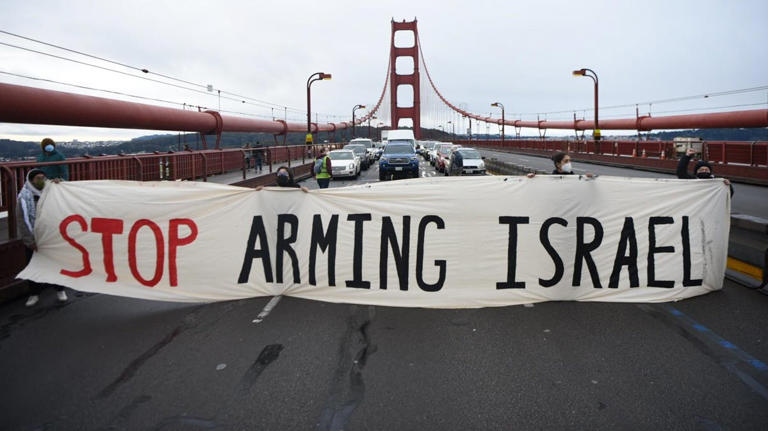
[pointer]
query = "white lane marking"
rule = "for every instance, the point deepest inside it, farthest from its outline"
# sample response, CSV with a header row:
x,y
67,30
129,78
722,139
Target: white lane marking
x,y
267,309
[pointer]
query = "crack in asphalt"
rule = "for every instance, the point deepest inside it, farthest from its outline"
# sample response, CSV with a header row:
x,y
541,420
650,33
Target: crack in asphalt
x,y
189,321
268,355
348,387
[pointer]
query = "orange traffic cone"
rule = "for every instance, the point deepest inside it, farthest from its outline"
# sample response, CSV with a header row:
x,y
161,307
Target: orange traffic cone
x,y
663,155
644,156
634,152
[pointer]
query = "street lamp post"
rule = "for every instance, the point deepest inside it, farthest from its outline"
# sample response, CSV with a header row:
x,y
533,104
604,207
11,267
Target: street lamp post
x,y
453,131
312,78
378,127
591,73
354,128
499,105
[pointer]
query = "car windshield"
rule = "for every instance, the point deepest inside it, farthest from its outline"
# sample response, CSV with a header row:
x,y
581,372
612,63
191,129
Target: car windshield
x,y
398,148
444,149
342,155
429,145
365,143
357,148
470,154
402,141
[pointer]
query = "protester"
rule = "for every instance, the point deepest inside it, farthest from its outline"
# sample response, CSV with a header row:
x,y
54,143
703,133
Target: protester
x,y
50,154
26,214
258,157
702,170
247,155
324,173
563,166
285,179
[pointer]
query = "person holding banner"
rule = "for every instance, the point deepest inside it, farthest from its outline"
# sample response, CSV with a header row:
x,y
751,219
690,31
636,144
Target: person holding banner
x,y
26,214
563,166
285,179
702,170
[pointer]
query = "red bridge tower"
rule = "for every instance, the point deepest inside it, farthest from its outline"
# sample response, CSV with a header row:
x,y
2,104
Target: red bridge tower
x,y
400,112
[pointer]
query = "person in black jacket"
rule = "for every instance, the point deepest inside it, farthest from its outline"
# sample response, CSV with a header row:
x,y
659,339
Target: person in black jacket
x,y
702,170
285,178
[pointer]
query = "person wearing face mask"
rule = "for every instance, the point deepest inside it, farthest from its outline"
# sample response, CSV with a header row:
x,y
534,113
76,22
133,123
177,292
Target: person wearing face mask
x,y
702,170
284,178
50,154
563,166
26,214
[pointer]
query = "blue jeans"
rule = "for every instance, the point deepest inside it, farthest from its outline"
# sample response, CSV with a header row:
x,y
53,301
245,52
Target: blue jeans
x,y
323,182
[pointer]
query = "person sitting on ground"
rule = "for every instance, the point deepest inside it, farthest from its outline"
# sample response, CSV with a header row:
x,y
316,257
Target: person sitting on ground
x,y
285,179
563,166
51,154
26,214
702,170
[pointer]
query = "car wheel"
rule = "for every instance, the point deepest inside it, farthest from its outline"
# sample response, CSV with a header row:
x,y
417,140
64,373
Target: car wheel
x,y
382,177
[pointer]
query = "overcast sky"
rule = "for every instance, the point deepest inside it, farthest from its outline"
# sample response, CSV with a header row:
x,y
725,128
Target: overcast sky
x,y
478,52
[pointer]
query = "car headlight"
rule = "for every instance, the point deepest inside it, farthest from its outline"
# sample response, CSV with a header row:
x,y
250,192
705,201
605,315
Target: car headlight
x,y
351,166
414,159
481,165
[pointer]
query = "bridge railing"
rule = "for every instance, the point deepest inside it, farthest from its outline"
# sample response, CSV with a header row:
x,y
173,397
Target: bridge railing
x,y
182,165
721,152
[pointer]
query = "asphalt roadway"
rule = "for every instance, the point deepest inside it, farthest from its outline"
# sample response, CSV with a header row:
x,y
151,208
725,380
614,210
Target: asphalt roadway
x,y
100,362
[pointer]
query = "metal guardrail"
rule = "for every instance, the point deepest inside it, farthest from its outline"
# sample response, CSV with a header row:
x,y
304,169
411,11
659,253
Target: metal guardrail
x,y
722,152
739,161
172,166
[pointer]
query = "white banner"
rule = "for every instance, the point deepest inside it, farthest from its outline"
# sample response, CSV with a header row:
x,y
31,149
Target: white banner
x,y
443,242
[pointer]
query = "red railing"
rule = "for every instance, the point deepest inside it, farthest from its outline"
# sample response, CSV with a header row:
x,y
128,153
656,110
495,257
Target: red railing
x,y
183,165
721,152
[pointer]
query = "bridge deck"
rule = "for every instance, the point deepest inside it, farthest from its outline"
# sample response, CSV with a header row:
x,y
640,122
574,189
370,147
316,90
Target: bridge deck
x,y
100,361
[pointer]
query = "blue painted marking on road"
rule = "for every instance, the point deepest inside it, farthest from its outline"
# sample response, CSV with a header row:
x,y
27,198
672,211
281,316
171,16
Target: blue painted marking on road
x,y
701,328
728,345
744,356
760,365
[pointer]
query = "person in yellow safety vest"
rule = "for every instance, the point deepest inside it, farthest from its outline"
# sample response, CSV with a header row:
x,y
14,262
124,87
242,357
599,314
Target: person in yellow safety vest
x,y
324,176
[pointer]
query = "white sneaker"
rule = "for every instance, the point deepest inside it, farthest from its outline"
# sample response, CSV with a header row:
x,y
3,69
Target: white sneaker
x,y
32,300
62,295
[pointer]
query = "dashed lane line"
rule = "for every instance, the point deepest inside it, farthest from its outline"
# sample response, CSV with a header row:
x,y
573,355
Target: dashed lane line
x,y
267,309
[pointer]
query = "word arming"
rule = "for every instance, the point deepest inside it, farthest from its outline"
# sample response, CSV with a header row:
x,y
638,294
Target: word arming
x,y
324,240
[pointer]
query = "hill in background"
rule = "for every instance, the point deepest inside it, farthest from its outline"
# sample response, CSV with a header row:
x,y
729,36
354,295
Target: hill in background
x,y
15,150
